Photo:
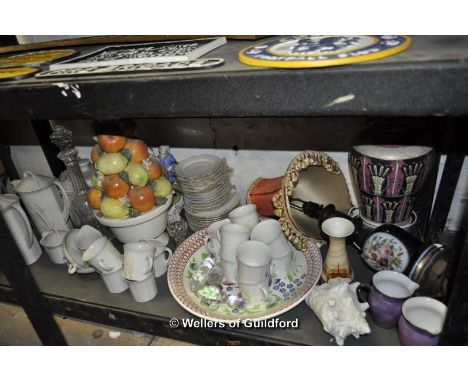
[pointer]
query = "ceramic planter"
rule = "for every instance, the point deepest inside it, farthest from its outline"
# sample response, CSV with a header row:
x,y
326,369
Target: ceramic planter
x,y
387,178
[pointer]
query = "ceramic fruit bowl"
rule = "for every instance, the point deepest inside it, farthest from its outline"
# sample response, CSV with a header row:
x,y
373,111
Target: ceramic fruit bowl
x,y
148,225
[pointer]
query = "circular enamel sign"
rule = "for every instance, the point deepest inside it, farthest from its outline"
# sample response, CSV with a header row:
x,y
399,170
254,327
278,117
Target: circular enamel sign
x,y
16,73
35,58
320,51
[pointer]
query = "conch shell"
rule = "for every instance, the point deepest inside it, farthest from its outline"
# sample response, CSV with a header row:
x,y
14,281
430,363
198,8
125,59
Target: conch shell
x,y
337,307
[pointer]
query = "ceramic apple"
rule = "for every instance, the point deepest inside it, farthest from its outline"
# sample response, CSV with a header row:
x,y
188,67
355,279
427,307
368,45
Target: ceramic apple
x,y
111,143
154,168
94,198
142,198
162,187
135,150
115,187
111,163
136,174
113,208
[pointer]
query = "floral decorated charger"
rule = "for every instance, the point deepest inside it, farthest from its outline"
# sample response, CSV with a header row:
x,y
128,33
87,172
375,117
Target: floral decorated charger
x,y
283,294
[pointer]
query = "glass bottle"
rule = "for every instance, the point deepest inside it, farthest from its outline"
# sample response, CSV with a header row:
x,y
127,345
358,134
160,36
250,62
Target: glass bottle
x,y
80,211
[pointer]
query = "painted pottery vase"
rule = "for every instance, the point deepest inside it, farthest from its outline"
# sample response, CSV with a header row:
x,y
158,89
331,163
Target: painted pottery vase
x,y
387,179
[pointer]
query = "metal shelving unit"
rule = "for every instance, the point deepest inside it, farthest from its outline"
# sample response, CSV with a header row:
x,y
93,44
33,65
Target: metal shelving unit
x,y
430,79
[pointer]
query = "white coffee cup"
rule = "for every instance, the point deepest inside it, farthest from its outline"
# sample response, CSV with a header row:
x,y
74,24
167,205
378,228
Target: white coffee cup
x,y
86,236
256,293
52,242
138,260
270,232
103,256
114,281
144,290
253,262
161,256
212,243
229,270
230,236
245,215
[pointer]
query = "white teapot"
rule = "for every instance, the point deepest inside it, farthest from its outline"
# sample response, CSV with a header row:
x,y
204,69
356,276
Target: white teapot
x,y
45,200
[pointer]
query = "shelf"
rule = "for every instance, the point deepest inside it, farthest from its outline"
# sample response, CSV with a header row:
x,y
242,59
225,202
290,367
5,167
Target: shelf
x,y
429,79
85,297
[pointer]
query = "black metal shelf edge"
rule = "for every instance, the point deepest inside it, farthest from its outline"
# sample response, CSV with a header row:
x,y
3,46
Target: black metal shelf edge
x,y
431,78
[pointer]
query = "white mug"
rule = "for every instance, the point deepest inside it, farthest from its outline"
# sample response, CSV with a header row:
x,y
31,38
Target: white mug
x,y
144,290
245,215
52,241
161,256
253,262
256,293
270,232
212,243
20,229
229,271
114,281
230,236
138,260
86,236
103,256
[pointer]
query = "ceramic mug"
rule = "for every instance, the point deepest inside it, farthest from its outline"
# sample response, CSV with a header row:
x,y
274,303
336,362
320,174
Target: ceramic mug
x,y
230,236
161,256
144,290
138,260
20,228
270,232
229,270
256,293
245,215
52,242
103,256
212,243
421,321
114,281
390,290
86,236
253,262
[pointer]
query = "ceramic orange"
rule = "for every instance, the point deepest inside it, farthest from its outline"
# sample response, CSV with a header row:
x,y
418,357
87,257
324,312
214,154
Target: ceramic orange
x,y
96,153
137,150
112,143
115,187
154,168
142,198
94,198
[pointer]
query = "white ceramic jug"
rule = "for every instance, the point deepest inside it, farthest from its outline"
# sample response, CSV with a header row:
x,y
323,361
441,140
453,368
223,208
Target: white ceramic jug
x,y
45,200
18,223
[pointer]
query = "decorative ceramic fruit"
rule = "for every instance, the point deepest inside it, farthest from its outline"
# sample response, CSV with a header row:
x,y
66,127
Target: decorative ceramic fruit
x,y
115,187
162,187
113,208
112,143
136,174
96,153
154,168
96,180
111,163
94,198
142,198
135,150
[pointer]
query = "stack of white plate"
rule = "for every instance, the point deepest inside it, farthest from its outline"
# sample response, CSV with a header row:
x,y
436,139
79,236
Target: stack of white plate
x,y
205,181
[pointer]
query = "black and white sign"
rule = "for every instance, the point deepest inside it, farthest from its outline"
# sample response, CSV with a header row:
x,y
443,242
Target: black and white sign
x,y
203,63
148,53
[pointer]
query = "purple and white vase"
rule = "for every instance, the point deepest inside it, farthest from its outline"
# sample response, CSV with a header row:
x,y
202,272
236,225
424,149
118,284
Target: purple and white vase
x,y
387,179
